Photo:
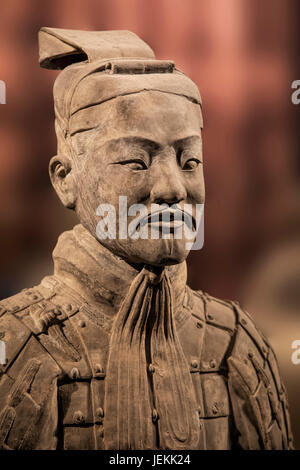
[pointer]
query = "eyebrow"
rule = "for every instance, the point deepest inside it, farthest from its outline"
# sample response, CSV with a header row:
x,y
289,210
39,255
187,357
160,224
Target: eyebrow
x,y
152,143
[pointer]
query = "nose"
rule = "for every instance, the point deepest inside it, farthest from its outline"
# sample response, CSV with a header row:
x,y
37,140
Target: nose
x,y
168,185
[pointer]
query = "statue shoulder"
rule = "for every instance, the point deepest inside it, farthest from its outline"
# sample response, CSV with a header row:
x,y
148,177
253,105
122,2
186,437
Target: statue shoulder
x,y
208,330
28,376
258,396
14,333
214,311
17,320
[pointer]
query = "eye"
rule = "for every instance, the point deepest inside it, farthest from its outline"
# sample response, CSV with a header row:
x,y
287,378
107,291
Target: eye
x,y
191,164
135,164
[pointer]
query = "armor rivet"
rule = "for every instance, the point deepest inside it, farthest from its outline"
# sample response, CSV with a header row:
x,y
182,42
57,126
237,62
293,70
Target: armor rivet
x,y
35,297
151,368
212,363
154,415
75,374
81,323
243,321
78,417
199,325
215,409
250,355
100,412
199,411
210,316
68,307
194,364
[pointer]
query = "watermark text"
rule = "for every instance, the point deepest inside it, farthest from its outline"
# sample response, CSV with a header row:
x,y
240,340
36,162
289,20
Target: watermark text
x,y
157,221
2,92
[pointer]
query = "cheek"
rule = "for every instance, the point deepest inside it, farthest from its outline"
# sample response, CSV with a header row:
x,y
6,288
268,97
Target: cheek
x,y
88,183
118,181
196,188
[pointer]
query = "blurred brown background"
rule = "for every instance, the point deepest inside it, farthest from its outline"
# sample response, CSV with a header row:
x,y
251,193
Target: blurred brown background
x,y
244,55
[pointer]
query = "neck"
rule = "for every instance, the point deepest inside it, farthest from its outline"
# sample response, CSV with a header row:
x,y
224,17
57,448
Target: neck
x,y
99,276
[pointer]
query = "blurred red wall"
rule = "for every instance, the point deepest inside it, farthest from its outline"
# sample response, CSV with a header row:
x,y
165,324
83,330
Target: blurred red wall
x,y
243,55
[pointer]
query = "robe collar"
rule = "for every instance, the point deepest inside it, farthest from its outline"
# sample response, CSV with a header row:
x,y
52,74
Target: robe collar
x,y
99,276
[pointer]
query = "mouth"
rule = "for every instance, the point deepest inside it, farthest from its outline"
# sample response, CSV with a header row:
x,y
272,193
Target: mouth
x,y
169,219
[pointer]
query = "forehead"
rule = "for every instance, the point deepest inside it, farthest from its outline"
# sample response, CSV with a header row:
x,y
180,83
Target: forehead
x,y
153,115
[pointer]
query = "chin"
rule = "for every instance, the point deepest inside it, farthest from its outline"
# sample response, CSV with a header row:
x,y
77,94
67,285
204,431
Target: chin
x,y
157,252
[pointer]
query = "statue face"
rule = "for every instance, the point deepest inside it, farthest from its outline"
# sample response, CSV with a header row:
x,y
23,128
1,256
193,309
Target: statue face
x,y
148,148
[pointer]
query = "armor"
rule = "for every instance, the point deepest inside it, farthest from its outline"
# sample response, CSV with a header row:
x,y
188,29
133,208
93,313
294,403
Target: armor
x,y
52,388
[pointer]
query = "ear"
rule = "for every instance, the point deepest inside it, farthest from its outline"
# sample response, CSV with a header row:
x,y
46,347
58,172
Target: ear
x,y
62,179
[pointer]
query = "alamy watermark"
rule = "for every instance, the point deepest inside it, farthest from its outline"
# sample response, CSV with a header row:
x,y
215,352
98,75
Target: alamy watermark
x,y
295,358
3,359
2,92
159,221
296,94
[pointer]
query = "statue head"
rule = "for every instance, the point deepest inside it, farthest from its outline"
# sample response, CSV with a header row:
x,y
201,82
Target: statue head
x,y
128,130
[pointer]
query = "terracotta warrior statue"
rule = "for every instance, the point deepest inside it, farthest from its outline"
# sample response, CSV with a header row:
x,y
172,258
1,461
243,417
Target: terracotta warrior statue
x,y
114,350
